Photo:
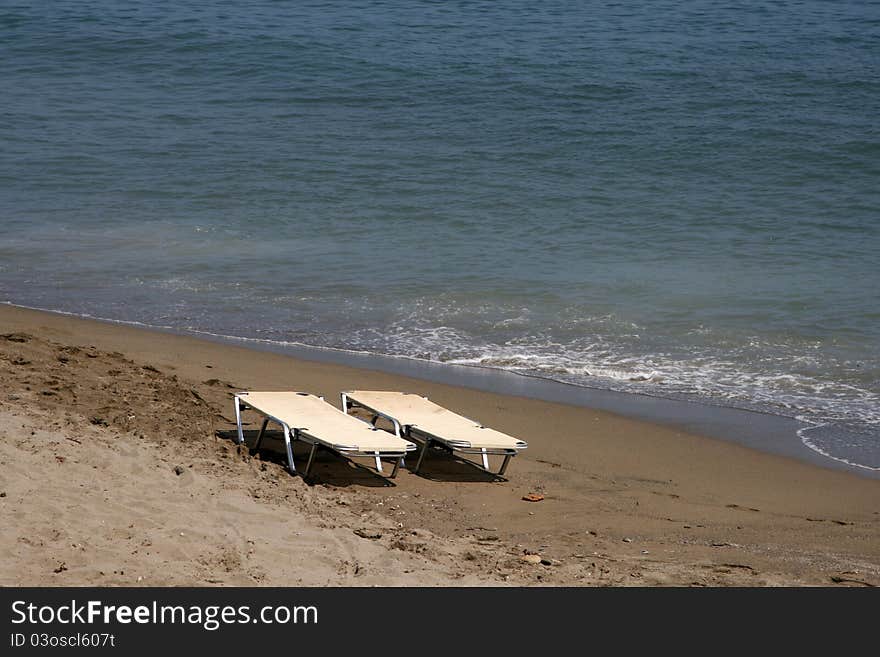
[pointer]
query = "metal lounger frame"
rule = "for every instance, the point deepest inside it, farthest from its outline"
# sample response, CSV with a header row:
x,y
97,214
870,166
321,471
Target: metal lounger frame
x,y
426,438
291,435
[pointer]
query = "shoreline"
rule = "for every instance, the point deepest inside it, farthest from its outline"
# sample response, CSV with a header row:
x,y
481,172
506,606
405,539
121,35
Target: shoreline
x,y
118,465
763,431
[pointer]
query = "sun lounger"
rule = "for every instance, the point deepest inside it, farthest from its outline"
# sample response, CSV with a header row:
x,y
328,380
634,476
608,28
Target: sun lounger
x,y
310,419
420,419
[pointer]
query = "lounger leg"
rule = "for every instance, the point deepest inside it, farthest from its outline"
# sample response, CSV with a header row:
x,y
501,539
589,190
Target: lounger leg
x,y
344,399
238,420
374,419
504,465
260,435
422,454
399,433
485,459
397,464
378,462
311,459
290,465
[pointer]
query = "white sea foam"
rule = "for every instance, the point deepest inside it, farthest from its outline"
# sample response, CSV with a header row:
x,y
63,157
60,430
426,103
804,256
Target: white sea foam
x,y
804,434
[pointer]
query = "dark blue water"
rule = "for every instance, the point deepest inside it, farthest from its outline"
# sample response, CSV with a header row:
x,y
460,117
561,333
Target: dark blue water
x,y
679,199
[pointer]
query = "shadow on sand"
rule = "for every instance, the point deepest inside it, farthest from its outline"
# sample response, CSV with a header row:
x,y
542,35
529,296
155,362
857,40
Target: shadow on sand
x,y
440,464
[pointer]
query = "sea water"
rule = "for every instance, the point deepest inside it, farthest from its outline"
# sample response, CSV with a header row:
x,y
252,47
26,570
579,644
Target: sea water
x,y
675,199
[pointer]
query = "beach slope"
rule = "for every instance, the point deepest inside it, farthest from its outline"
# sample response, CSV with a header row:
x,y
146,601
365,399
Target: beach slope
x,y
117,467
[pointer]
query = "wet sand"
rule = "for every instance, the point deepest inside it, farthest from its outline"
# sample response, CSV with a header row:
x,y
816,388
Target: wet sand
x,y
118,468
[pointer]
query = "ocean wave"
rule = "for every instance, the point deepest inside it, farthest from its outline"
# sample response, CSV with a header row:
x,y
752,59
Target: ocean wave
x,y
738,378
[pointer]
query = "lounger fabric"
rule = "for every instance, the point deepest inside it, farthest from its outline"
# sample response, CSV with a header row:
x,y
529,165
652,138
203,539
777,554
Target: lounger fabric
x,y
424,415
319,420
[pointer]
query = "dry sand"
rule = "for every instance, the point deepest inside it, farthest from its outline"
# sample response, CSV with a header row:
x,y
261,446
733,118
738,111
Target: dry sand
x,y
117,468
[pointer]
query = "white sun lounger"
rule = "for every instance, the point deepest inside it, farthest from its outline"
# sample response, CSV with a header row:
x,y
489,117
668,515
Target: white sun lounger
x,y
422,420
309,418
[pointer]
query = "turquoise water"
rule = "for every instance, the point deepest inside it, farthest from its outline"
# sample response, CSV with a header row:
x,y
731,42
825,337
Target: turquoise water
x,y
678,199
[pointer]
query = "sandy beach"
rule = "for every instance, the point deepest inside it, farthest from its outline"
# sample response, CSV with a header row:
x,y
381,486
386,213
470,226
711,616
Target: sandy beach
x,y
118,468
